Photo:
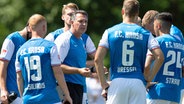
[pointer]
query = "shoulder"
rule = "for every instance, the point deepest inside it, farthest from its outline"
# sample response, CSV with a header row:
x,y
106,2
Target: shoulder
x,y
56,32
63,38
65,35
115,27
165,38
13,35
49,43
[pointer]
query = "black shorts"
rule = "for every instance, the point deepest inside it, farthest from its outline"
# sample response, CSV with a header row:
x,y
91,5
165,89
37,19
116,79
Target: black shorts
x,y
76,92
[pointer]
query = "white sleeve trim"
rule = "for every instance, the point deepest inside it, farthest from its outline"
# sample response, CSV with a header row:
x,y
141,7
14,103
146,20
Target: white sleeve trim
x,y
7,49
90,47
104,40
50,37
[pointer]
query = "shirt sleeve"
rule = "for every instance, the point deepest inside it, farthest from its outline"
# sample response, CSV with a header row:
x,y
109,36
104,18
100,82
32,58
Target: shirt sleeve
x,y
50,37
17,65
7,49
63,46
55,59
90,47
152,43
104,40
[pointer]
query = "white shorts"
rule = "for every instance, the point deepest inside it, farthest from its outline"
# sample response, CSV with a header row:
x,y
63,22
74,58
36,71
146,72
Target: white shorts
x,y
126,91
85,98
18,100
182,97
156,101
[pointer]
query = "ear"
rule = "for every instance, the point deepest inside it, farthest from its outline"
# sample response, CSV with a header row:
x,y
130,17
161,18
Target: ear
x,y
62,17
44,28
28,28
122,11
159,26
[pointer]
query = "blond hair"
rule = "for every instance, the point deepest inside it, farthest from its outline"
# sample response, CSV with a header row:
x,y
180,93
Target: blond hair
x,y
69,5
149,17
35,20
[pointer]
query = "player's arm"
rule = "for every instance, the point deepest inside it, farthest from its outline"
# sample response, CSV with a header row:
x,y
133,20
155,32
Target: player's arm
x,y
154,47
6,54
74,70
159,59
148,62
3,75
100,55
91,50
58,73
19,75
20,82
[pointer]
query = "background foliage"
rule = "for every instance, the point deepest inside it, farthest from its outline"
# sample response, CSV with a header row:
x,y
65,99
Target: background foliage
x,y
102,14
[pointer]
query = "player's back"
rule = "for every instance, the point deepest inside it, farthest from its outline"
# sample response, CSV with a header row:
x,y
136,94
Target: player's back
x,y
169,75
35,64
128,44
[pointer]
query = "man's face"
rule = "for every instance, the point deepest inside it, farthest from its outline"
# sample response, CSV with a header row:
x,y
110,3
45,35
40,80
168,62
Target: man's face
x,y
67,16
80,23
150,27
156,27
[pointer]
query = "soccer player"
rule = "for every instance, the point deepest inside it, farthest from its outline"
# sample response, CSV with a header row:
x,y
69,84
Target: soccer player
x,y
72,51
167,89
38,67
67,11
9,49
147,23
128,44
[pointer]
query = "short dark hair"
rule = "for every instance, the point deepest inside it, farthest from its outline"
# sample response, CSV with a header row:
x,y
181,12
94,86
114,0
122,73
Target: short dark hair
x,y
165,17
78,12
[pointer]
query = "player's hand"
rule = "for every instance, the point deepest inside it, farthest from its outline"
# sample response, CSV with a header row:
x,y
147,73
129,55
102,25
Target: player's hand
x,y
4,97
104,94
105,90
149,84
85,72
67,100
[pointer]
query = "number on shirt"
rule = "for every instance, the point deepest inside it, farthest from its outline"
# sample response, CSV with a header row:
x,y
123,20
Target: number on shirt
x,y
175,57
127,54
33,64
